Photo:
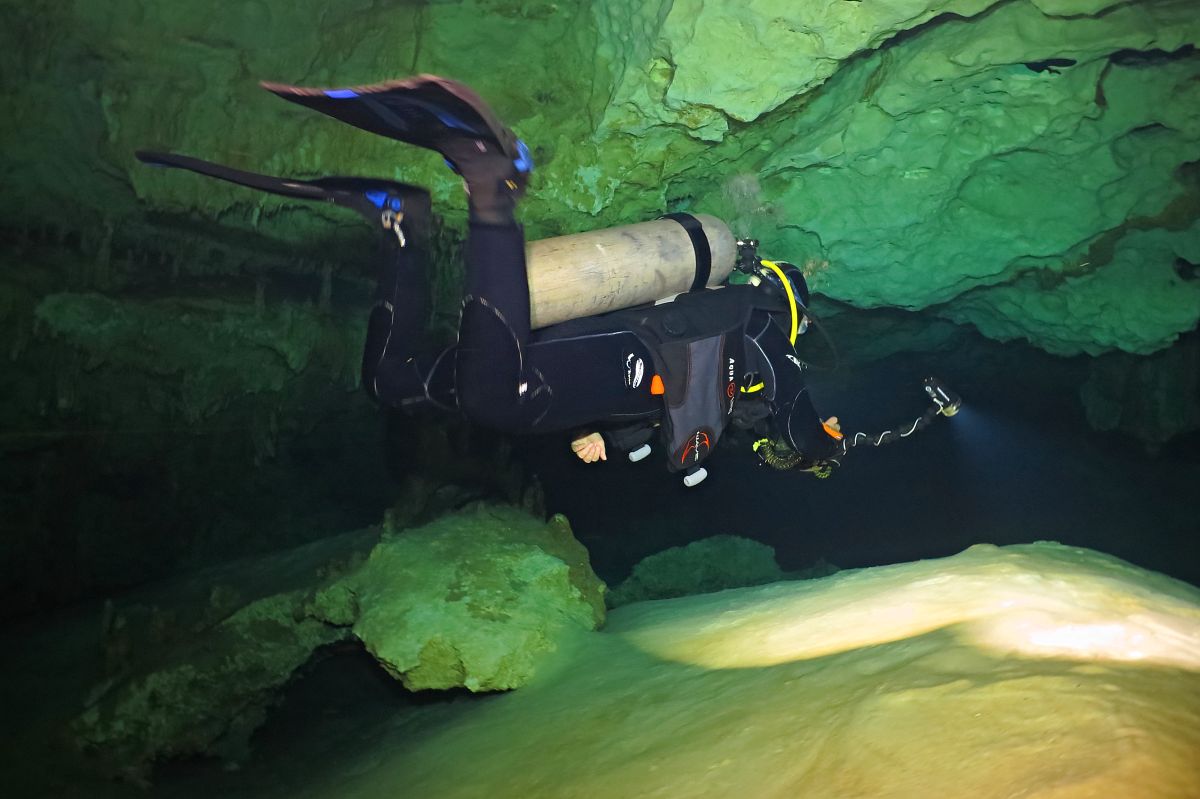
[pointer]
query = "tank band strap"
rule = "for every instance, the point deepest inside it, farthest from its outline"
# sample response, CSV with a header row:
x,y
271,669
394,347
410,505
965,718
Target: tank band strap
x,y
695,231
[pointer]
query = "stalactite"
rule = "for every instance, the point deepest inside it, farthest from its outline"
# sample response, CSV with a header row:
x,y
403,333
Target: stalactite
x,y
21,334
128,265
264,437
102,261
64,398
325,298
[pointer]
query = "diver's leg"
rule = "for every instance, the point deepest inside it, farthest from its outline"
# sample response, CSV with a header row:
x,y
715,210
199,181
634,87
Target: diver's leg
x,y
497,383
507,376
395,369
391,371
398,366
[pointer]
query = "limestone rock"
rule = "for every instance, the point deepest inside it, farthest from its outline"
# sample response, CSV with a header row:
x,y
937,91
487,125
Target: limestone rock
x,y
209,694
1152,399
1039,671
1135,302
473,600
208,351
710,564
194,665
927,148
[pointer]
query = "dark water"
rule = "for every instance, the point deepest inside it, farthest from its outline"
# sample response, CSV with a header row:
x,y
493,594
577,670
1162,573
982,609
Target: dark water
x,y
1018,464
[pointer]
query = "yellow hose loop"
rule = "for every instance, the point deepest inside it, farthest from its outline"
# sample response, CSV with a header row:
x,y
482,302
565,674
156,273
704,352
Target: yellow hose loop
x,y
787,287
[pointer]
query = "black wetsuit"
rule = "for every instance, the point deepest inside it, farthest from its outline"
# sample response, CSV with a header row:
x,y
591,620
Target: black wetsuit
x,y
590,372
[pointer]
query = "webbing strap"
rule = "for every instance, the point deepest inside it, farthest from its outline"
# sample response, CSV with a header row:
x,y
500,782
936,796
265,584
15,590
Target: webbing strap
x,y
695,231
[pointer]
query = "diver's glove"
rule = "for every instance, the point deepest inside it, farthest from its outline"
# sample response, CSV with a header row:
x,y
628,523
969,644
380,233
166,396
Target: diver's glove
x,y
778,455
820,469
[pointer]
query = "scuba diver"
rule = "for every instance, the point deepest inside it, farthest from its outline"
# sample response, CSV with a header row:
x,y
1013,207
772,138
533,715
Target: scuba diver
x,y
683,370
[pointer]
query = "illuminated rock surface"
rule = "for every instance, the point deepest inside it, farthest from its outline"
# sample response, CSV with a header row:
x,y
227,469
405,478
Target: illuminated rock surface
x,y
475,600
1035,670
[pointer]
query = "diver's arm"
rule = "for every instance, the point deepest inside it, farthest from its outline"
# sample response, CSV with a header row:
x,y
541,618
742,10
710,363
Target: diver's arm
x,y
795,419
627,439
804,431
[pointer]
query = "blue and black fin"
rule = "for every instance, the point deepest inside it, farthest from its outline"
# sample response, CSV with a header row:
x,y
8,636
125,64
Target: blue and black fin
x,y
427,111
376,199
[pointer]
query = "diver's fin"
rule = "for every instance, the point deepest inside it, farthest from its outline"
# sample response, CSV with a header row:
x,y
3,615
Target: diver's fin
x,y
369,196
425,110
288,188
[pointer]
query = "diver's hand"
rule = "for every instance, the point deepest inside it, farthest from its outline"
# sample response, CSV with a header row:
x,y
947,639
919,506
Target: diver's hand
x,y
833,427
589,448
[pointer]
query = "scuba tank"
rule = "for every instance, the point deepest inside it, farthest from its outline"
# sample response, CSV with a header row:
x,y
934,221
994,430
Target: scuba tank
x,y
591,273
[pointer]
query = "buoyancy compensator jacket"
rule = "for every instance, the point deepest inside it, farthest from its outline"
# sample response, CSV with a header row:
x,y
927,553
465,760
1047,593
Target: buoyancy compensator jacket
x,y
697,343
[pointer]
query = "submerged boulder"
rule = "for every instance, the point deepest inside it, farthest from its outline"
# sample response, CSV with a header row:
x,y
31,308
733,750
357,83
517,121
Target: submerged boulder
x,y
476,599
472,600
711,564
194,664
211,692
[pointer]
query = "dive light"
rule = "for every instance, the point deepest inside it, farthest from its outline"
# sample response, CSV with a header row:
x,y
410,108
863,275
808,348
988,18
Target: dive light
x,y
947,402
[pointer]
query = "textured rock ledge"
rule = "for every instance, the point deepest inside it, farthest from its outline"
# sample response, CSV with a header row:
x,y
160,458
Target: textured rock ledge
x,y
476,599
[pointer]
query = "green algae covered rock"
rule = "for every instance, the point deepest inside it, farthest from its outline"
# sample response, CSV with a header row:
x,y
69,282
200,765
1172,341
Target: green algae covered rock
x,y
476,599
961,159
701,567
471,600
208,695
192,665
966,155
206,351
1134,302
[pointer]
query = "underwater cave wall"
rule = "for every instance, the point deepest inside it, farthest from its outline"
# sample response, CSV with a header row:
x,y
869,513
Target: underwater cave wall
x,y
1027,168
1010,163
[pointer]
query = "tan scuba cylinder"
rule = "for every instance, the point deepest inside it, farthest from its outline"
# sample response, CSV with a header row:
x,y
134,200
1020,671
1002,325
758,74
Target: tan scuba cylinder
x,y
605,270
